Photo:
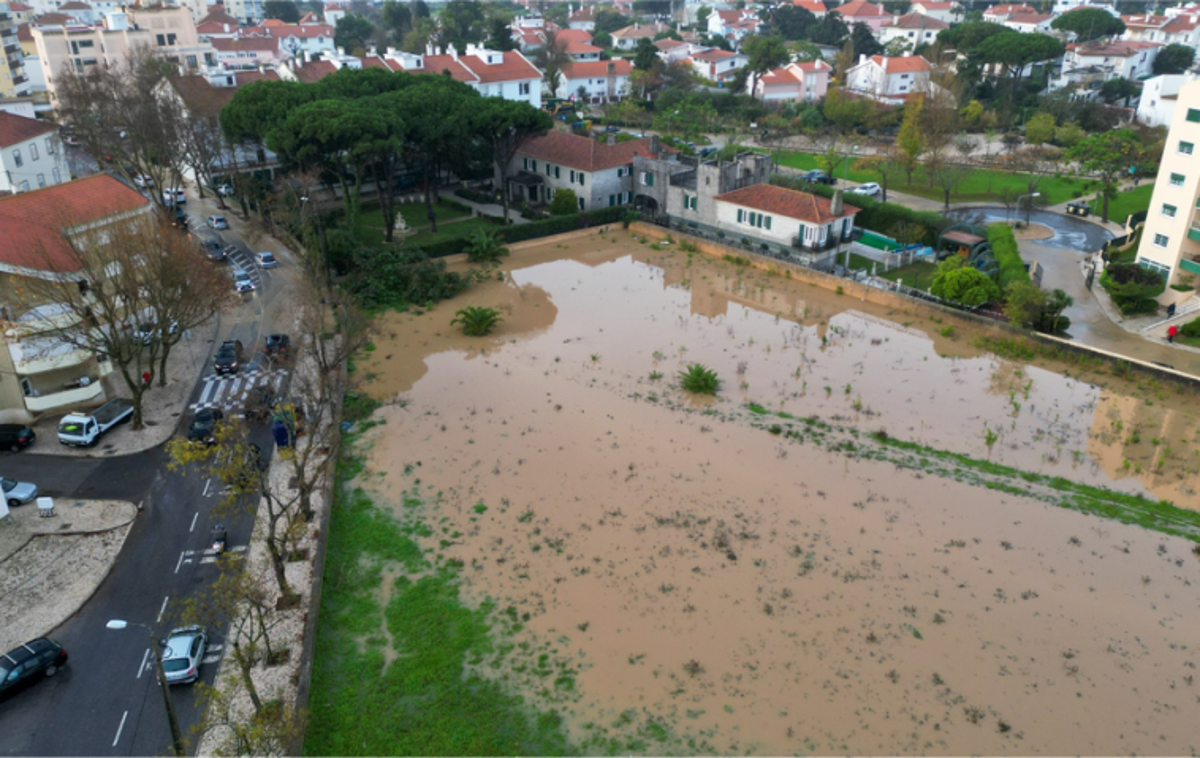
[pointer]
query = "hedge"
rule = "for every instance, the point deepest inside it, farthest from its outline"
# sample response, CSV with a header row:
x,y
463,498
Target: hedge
x,y
875,215
1008,258
1191,329
1132,287
532,230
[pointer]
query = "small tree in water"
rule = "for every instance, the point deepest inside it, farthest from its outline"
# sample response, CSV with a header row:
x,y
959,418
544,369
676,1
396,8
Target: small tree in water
x,y
476,320
700,380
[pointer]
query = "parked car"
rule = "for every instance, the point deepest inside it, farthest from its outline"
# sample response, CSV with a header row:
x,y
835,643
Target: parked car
x,y
228,357
16,437
870,189
266,259
278,344
242,281
816,176
204,426
214,249
216,222
708,150
26,663
18,493
179,218
224,190
72,140
143,181
183,653
146,332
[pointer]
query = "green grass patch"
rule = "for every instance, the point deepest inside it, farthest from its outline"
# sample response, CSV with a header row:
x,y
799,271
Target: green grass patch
x,y
1126,203
918,274
981,184
456,230
413,213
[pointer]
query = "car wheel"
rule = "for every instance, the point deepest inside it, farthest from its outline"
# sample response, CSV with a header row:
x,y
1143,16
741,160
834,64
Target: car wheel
x,y
16,448
51,670
13,503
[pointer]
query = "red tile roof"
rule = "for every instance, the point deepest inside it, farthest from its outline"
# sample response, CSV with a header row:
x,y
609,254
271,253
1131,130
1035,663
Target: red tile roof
x,y
637,31
1145,21
1008,9
903,64
1181,23
916,21
813,6
1028,18
581,69
51,19
572,35
580,48
32,223
262,44
75,6
313,71
19,7
860,9
438,64
218,16
583,153
374,61
791,73
200,97
15,129
786,202
936,6
711,56
1118,48
24,33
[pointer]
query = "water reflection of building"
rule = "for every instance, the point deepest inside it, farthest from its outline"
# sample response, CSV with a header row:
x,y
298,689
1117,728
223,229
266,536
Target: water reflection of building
x,y
711,297
1127,429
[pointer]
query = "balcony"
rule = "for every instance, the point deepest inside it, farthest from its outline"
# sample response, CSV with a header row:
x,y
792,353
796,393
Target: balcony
x,y
830,243
64,399
1193,232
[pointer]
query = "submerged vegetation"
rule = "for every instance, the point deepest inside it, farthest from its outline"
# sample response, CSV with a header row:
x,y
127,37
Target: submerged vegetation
x,y
699,380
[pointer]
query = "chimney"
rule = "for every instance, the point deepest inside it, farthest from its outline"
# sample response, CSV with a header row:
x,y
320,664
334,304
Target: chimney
x,y
429,49
835,204
636,26
655,148
226,28
611,139
862,58
452,51
885,62
612,67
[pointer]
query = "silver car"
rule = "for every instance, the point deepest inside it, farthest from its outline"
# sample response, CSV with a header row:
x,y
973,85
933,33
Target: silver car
x,y
183,653
242,281
18,493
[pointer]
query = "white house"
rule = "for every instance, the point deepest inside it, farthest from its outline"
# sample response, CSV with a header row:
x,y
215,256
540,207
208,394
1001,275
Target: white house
x,y
493,73
861,11
602,81
947,12
334,12
889,80
1029,22
31,154
915,29
627,38
295,39
717,65
795,82
1181,29
784,217
815,7
600,174
998,14
1160,96
672,50
582,19
1092,63
733,24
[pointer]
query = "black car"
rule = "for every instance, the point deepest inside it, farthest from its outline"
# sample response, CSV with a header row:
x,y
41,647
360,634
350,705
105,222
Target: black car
x,y
16,437
28,662
816,176
278,344
204,426
229,356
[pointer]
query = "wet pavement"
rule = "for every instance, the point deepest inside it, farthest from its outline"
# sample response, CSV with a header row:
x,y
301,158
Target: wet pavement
x,y
1070,233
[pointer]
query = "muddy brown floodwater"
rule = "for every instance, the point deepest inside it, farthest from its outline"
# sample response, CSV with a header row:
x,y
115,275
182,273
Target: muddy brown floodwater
x,y
748,593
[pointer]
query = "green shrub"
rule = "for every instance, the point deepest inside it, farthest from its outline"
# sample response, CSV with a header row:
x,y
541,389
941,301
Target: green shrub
x,y
699,379
565,203
476,320
1133,288
1191,329
1008,258
391,277
960,283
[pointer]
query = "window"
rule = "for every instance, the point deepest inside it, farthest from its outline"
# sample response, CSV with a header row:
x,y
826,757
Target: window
x,y
620,171
572,176
161,39
33,151
768,223
533,165
1168,210
41,180
1186,148
523,88
17,158
612,200
1177,180
741,215
23,187
57,176
581,176
1155,266
1161,240
548,171
581,203
647,179
1193,115
525,163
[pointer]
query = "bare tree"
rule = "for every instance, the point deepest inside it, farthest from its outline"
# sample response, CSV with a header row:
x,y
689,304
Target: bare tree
x,y
947,177
204,150
123,121
274,729
966,146
112,280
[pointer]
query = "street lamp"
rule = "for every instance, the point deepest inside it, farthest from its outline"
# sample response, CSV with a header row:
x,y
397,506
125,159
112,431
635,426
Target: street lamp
x,y
176,738
1028,208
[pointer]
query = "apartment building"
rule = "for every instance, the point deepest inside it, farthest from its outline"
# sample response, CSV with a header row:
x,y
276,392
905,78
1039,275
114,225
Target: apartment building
x,y
246,11
169,32
31,154
13,82
1171,239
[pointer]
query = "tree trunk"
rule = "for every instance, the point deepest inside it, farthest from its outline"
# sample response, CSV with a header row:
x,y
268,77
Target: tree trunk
x,y
429,190
162,364
245,663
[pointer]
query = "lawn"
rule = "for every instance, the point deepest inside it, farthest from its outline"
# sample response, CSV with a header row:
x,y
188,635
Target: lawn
x,y
452,222
918,275
413,213
1126,203
462,229
981,184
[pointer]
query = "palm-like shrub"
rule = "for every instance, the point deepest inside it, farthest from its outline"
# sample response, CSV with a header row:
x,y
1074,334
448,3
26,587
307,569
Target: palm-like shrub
x,y
484,248
476,320
699,379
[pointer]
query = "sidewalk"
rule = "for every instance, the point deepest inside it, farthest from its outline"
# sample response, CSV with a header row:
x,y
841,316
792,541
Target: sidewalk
x,y
484,209
49,567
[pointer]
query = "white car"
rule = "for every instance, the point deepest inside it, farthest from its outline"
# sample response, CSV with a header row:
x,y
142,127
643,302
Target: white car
x,y
242,281
216,222
183,654
174,196
142,181
18,493
224,190
266,259
870,188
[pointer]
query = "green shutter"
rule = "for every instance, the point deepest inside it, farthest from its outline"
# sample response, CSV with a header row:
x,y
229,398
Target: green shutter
x,y
1177,179
649,180
1186,148
768,222
1193,115
557,172
740,213
581,177
612,200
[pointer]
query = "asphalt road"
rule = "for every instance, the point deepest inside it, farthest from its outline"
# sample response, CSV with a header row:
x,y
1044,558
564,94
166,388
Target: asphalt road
x,y
107,701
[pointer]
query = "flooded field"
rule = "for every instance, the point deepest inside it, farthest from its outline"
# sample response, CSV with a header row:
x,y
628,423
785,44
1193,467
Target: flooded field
x,y
771,571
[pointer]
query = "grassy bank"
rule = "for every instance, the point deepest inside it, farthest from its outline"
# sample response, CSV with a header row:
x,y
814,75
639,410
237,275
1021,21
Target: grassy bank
x,y
400,678
981,184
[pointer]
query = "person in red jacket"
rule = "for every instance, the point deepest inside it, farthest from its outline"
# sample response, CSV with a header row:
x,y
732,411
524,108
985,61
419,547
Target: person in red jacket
x,y
1171,332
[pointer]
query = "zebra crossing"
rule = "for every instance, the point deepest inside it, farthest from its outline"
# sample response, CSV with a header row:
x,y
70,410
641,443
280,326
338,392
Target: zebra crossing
x,y
231,393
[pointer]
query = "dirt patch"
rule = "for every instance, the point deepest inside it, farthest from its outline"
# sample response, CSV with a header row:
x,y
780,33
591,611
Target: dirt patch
x,y
722,588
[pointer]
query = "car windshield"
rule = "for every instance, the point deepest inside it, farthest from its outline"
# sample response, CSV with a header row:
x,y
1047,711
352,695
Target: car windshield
x,y
8,484
175,664
71,427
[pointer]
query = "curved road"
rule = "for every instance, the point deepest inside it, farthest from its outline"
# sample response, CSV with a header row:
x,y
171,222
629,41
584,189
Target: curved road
x,y
106,700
